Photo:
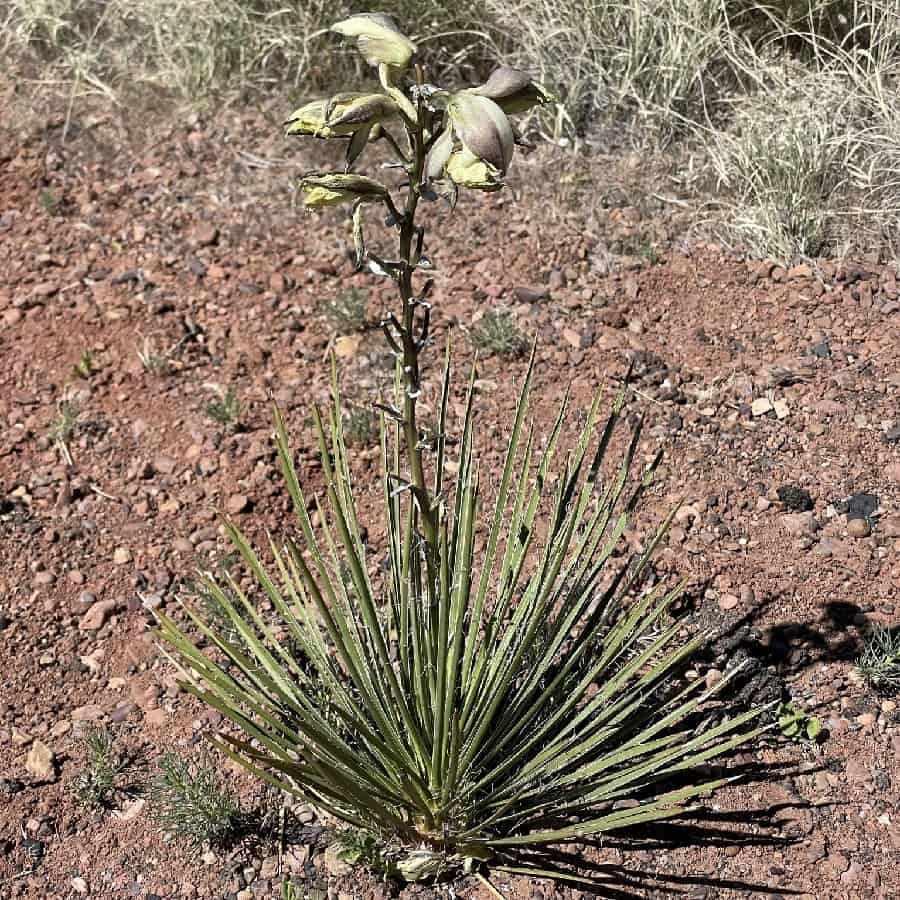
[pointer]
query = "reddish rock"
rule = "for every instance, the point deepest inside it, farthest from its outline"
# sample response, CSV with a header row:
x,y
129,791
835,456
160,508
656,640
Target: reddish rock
x,y
206,236
95,618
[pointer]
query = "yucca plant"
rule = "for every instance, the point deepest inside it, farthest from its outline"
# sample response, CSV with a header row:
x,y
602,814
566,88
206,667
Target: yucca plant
x,y
879,662
509,682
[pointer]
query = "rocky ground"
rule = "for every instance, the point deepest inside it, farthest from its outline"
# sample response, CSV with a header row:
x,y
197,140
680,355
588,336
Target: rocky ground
x,y
170,250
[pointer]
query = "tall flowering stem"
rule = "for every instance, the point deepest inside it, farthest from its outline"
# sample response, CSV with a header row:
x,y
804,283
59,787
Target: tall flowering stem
x,y
412,344
454,139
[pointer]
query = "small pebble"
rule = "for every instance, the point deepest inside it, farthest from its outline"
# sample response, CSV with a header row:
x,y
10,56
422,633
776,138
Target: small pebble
x,y
728,601
237,503
121,556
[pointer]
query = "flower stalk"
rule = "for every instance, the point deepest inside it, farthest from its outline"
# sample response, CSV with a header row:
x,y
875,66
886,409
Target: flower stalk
x,y
460,139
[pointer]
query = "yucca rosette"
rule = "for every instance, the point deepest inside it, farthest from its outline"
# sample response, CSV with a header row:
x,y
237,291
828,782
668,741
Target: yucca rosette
x,y
334,189
476,146
513,90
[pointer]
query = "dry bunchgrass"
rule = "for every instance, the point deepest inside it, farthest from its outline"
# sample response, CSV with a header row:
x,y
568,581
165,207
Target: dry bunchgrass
x,y
645,61
793,104
198,47
805,157
781,166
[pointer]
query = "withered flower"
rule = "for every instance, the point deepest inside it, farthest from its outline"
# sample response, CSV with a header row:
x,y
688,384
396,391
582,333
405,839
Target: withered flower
x,y
334,189
476,147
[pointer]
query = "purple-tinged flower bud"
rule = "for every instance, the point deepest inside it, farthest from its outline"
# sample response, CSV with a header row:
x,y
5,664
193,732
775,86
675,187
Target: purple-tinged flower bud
x,y
513,90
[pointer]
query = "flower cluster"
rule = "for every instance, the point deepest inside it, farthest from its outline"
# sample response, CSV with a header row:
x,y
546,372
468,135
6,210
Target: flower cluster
x,y
466,135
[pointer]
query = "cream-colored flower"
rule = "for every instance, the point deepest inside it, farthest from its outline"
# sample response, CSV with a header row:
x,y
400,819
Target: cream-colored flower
x,y
341,115
476,146
378,39
482,128
468,171
358,115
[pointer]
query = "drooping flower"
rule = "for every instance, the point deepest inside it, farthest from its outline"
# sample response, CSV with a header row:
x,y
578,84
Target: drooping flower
x,y
467,170
309,119
340,115
335,189
378,39
476,146
513,90
354,114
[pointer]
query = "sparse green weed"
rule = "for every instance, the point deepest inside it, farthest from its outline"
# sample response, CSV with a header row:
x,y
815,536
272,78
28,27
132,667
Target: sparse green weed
x,y
189,800
347,312
64,427
98,782
49,202
358,847
795,723
84,368
211,605
226,410
151,358
497,332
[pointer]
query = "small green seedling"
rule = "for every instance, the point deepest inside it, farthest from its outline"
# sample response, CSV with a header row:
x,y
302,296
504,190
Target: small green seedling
x,y
211,605
189,800
64,427
84,368
98,782
151,359
357,847
226,410
796,724
49,202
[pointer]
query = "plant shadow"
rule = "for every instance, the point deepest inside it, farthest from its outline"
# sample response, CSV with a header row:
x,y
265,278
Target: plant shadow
x,y
621,881
771,654
697,829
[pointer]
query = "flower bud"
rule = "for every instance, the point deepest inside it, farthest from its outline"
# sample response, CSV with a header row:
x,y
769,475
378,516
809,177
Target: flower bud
x,y
334,189
513,90
378,39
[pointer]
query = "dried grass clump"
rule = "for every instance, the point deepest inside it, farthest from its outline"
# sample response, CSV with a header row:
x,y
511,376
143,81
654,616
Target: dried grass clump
x,y
792,104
